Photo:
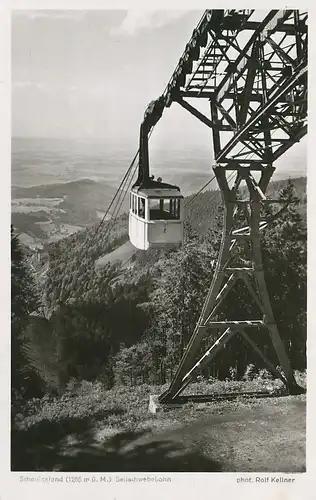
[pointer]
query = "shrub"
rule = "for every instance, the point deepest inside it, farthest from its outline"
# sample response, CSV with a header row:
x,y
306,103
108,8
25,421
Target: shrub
x,y
250,372
264,374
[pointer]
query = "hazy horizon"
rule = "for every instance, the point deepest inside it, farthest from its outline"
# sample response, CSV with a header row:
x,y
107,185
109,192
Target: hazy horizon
x,y
38,161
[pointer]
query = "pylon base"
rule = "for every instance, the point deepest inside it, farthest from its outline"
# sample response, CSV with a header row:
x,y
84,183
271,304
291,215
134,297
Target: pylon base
x,y
155,406
296,390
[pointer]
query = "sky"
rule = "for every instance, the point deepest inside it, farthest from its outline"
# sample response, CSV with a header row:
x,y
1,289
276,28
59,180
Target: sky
x,y
89,75
81,74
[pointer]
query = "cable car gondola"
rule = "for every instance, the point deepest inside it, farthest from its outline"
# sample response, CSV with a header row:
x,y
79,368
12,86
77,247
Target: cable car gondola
x,y
155,216
156,208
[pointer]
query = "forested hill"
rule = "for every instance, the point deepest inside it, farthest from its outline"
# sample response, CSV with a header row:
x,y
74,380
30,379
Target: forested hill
x,y
77,202
130,325
201,213
72,275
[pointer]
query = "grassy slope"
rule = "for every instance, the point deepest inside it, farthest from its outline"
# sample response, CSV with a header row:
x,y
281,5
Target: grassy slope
x,y
92,429
121,254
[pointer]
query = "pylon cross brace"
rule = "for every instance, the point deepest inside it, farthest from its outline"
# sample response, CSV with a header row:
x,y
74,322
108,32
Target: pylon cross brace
x,y
225,277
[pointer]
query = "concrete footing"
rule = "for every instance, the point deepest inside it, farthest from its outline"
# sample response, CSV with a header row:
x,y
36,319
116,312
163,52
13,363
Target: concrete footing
x,y
155,406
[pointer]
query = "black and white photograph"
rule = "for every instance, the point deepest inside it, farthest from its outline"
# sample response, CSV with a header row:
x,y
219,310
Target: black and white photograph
x,y
159,244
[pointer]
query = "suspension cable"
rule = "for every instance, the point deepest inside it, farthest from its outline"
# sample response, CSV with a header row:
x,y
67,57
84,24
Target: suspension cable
x,y
200,191
119,197
123,181
118,205
205,185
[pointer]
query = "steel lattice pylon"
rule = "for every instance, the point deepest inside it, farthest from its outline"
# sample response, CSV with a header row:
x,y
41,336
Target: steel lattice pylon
x,y
252,68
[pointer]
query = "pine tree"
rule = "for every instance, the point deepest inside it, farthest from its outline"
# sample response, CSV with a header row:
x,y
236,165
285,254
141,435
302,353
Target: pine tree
x,y
23,302
285,256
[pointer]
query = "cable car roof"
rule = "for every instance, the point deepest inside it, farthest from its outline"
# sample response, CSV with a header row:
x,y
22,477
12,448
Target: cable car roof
x,y
159,193
151,188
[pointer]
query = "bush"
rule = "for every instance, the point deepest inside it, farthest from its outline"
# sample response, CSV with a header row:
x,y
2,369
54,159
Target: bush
x,y
250,372
264,374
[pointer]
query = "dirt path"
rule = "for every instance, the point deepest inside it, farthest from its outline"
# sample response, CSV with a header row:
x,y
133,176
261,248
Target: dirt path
x,y
244,436
269,438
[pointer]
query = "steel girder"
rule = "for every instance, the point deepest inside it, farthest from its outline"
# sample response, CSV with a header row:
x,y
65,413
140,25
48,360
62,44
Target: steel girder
x,y
252,68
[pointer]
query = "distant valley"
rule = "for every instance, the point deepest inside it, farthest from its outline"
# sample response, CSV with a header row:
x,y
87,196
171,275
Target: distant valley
x,y
50,212
60,186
